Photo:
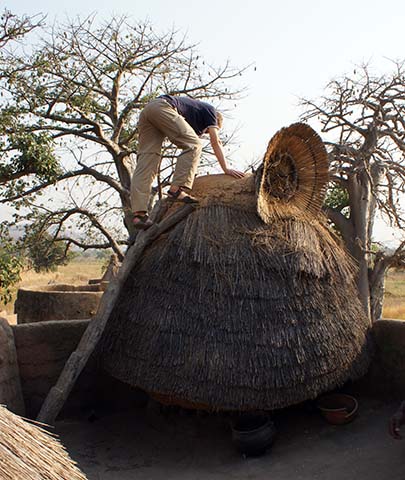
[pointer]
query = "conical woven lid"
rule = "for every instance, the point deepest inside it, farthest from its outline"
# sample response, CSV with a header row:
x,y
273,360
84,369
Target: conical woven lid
x,y
294,173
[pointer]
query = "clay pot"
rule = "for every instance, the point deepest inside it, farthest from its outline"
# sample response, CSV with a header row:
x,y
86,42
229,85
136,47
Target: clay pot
x,y
338,408
253,434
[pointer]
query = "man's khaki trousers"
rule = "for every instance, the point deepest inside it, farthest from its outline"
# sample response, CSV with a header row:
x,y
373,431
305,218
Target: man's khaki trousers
x,y
157,121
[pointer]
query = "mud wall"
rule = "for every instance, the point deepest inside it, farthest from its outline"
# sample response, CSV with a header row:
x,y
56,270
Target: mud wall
x,y
386,375
57,302
10,386
43,349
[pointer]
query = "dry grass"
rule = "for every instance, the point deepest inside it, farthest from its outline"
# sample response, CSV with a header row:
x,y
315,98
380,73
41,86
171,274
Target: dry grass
x,y
76,272
28,452
394,303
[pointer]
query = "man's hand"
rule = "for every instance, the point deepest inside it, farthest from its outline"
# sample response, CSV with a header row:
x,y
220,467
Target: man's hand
x,y
234,173
219,153
396,422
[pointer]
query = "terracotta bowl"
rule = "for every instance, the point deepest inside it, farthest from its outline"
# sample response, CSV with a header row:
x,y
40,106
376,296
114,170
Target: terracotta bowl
x,y
338,408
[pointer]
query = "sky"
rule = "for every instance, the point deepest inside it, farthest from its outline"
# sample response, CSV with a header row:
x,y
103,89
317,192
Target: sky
x,y
295,47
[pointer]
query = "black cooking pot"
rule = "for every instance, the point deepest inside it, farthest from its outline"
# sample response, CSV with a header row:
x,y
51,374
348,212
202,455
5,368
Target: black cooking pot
x,y
253,434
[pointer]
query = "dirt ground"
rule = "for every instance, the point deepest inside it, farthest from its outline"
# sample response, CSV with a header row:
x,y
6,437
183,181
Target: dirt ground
x,y
145,444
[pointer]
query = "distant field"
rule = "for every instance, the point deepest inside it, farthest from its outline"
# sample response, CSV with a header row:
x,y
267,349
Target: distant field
x,y
394,301
81,271
75,272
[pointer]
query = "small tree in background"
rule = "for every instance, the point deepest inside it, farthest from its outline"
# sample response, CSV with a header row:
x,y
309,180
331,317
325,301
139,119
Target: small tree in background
x,y
42,253
363,119
10,265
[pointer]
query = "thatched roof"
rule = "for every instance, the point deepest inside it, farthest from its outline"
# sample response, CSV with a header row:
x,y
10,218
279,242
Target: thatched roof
x,y
29,453
228,312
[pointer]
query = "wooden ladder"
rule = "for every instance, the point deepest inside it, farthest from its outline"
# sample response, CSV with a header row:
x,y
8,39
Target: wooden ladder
x,y
58,394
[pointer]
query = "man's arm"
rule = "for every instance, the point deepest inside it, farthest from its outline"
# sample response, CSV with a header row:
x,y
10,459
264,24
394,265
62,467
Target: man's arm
x,y
219,153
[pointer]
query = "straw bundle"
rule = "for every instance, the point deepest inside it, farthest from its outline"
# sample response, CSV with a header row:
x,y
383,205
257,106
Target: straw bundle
x,y
28,452
230,312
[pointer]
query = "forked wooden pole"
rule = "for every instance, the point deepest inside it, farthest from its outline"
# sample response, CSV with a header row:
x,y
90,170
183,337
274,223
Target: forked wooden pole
x,y
77,361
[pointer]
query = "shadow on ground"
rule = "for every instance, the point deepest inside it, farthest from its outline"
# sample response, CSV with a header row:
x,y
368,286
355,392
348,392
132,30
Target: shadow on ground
x,y
146,444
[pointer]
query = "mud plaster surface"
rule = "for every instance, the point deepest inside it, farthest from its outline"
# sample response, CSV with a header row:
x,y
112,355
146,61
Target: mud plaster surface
x,y
225,190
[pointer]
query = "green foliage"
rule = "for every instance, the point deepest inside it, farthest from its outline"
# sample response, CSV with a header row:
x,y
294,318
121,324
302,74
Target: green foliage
x,y
36,154
10,268
337,198
43,252
31,154
11,264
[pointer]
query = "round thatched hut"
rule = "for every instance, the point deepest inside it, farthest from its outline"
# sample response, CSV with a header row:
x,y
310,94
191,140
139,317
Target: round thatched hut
x,y
249,303
28,452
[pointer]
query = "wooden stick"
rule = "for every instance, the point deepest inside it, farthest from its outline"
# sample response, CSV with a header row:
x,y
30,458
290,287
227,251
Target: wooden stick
x,y
77,361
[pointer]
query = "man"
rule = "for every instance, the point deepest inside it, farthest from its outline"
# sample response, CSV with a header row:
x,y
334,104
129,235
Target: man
x,y
182,120
396,422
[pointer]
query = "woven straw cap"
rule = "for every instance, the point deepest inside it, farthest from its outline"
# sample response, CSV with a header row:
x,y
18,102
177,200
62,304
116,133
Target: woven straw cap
x,y
294,173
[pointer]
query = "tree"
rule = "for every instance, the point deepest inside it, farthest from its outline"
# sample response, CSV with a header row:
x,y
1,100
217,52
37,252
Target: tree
x,y
12,29
10,264
23,153
79,95
363,119
42,252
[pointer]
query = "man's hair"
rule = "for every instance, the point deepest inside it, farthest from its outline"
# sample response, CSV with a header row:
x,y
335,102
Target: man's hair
x,y
220,119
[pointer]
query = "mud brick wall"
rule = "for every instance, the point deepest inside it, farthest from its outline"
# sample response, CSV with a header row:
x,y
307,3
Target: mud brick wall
x,y
10,386
386,375
57,302
43,349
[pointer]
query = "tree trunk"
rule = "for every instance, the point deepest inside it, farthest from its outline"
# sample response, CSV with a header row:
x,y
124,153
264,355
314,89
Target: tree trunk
x,y
360,202
377,283
377,174
362,276
377,289
377,274
125,170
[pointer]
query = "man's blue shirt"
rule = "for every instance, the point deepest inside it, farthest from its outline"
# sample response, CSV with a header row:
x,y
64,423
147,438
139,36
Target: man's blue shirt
x,y
199,115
